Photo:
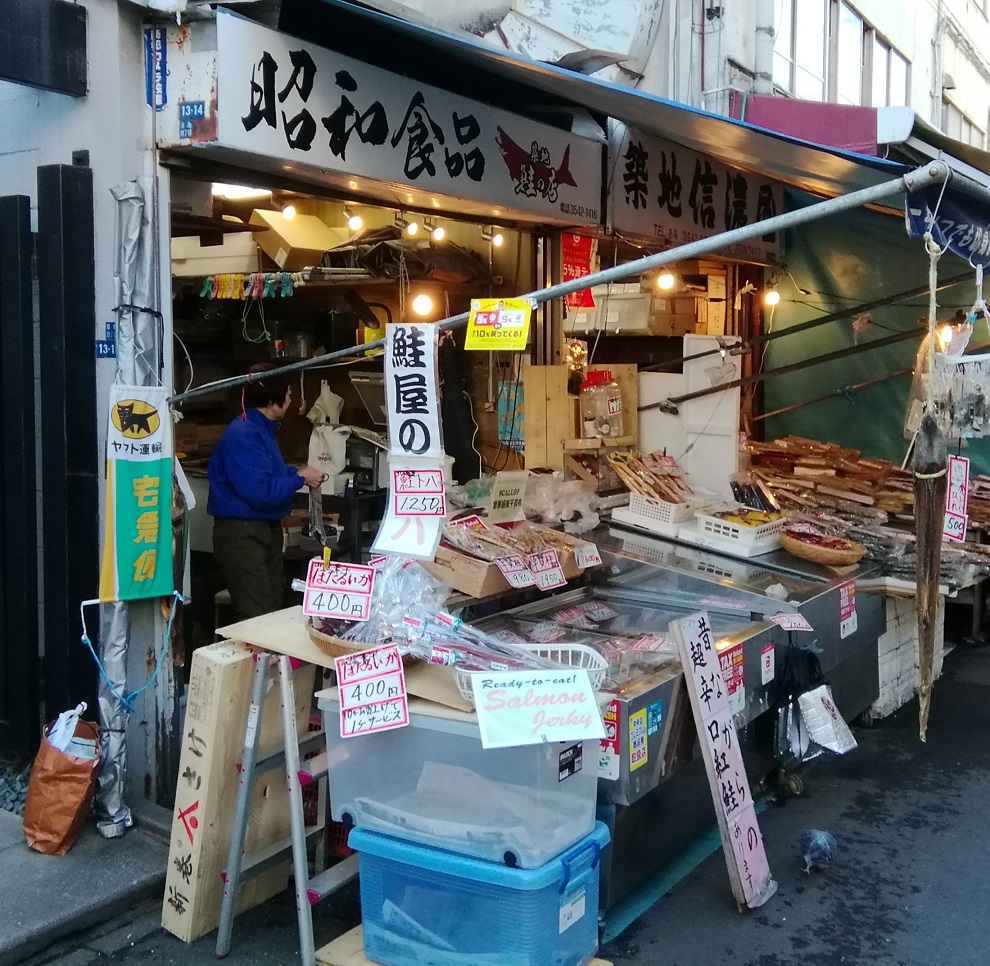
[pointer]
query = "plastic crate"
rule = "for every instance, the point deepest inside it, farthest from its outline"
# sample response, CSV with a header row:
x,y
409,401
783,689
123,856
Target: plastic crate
x,y
724,530
570,655
433,783
426,906
659,511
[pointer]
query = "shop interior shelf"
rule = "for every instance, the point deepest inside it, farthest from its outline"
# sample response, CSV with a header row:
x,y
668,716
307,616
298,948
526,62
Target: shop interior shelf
x,y
597,442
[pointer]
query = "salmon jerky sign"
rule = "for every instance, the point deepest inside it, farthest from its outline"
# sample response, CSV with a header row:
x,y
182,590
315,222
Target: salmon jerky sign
x,y
287,99
665,191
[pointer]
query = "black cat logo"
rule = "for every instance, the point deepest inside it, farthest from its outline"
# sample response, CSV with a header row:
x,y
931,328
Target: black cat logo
x,y
135,419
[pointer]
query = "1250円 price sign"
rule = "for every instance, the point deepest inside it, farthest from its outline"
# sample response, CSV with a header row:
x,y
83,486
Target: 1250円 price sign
x,y
341,590
418,492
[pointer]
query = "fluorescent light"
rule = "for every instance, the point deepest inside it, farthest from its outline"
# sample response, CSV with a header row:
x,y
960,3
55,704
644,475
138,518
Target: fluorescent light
x,y
238,192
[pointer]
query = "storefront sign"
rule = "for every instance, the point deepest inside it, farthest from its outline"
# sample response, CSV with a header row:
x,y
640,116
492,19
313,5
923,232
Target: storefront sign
x,y
742,842
576,263
155,67
287,99
531,707
957,499
505,505
137,538
411,390
664,191
341,590
639,749
372,691
848,618
495,324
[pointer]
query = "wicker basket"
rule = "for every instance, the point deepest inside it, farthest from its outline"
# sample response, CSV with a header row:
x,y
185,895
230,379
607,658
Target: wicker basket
x,y
828,556
334,646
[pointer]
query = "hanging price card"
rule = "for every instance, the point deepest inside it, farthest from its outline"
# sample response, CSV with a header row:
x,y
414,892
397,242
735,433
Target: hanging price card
x,y
515,571
372,691
587,555
954,527
495,324
418,493
546,570
650,642
956,499
342,590
767,664
791,622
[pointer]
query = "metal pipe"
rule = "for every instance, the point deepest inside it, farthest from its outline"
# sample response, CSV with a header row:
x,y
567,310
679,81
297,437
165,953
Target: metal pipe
x,y
670,405
802,326
934,172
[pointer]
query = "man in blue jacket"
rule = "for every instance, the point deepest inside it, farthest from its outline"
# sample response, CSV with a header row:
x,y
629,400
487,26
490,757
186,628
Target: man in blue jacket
x,y
251,491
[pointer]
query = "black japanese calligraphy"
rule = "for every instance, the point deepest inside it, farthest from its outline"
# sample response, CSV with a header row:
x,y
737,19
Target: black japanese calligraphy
x,y
196,744
736,188
411,396
371,125
472,163
766,207
193,780
177,900
301,129
423,134
183,865
635,176
262,94
408,348
702,197
671,185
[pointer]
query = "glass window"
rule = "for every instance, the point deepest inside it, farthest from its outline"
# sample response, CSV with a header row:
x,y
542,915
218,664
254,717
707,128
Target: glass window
x,y
783,46
898,93
879,87
849,66
809,51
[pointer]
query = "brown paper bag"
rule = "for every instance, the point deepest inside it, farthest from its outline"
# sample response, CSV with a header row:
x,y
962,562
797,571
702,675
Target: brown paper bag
x,y
60,793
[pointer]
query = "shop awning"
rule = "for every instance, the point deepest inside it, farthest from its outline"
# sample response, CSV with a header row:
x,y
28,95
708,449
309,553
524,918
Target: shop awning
x,y
473,67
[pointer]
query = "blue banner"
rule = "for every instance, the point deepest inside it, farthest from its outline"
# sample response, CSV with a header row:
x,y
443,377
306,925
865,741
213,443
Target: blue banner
x,y
155,67
960,222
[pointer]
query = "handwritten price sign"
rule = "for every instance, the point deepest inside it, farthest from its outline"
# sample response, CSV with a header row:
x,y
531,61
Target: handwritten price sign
x,y
791,622
372,691
418,493
587,555
954,527
546,570
515,571
342,590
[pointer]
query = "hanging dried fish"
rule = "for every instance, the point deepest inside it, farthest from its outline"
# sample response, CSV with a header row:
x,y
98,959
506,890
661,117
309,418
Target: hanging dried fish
x,y
929,514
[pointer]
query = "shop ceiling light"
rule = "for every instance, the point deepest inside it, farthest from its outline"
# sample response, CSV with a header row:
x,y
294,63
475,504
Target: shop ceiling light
x,y
238,192
354,222
289,212
437,232
493,236
665,281
409,227
422,304
771,296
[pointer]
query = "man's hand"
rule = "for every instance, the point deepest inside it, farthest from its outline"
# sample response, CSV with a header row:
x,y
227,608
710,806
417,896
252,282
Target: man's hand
x,y
312,478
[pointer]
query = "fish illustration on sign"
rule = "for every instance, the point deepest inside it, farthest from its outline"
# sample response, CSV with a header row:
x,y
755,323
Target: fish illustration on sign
x,y
532,170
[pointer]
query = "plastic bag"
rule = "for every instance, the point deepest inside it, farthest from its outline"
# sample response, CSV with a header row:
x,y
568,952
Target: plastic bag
x,y
326,410
60,790
328,452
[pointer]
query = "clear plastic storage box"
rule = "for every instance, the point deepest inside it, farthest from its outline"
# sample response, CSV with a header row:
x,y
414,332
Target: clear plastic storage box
x,y
433,783
428,907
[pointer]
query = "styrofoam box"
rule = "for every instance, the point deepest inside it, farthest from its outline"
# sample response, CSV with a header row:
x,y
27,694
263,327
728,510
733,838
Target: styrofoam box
x,y
432,782
237,254
427,906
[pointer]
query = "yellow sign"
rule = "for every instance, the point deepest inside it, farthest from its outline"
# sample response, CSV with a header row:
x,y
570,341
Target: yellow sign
x,y
498,324
135,418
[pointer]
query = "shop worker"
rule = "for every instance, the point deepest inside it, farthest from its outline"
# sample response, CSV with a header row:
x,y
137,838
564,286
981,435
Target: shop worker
x,y
251,491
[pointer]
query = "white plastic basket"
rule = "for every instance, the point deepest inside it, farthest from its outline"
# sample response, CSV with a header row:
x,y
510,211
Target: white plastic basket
x,y
569,655
724,530
659,511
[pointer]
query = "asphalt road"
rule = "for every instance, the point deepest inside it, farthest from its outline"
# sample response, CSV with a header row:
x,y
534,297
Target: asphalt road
x,y
908,887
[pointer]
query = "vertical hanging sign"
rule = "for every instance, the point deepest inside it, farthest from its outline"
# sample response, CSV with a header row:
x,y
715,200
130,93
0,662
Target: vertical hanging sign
x,y
742,842
416,507
957,499
137,539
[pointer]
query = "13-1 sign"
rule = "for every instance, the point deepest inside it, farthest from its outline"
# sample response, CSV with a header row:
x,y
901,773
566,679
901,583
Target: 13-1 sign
x,y
342,590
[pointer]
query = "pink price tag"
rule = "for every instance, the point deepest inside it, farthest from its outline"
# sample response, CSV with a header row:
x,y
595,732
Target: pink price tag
x,y
442,655
418,493
650,642
378,560
791,622
546,570
515,571
957,494
473,522
371,686
342,590
954,526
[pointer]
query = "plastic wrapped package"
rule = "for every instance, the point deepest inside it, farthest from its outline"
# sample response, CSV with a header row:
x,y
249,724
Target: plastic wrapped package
x,y
553,501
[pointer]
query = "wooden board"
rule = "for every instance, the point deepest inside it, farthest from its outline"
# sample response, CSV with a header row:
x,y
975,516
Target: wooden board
x,y
212,741
347,950
284,632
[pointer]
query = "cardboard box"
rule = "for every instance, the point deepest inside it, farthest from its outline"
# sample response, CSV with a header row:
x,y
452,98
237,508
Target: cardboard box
x,y
294,243
673,324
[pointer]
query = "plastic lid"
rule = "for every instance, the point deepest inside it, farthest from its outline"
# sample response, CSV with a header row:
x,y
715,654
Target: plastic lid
x,y
596,377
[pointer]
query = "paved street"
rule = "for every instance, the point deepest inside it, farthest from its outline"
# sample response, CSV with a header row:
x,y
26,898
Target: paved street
x,y
907,889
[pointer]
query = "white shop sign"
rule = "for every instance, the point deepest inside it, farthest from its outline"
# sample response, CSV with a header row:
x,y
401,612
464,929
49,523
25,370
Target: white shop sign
x,y
280,97
664,191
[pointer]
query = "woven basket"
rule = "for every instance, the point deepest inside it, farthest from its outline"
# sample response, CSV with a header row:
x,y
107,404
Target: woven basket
x,y
828,556
334,646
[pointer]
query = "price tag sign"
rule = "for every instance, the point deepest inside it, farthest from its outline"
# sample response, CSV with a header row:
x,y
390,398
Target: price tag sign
x,y
372,689
587,555
599,612
650,642
546,570
529,707
515,571
342,590
495,324
954,527
730,663
418,493
723,603
767,664
791,622
956,499
848,618
472,522
378,560
546,631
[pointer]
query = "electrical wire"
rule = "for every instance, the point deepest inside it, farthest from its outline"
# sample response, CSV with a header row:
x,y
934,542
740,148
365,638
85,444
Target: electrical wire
x,y
477,429
188,359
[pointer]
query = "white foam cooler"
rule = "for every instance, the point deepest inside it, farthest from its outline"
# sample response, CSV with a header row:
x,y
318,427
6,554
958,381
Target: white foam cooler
x,y
433,783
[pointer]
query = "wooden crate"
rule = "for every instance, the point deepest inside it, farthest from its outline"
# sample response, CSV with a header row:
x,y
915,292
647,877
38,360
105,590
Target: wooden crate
x,y
212,741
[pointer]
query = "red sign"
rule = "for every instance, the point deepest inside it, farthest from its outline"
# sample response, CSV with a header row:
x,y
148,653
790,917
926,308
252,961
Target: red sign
x,y
577,262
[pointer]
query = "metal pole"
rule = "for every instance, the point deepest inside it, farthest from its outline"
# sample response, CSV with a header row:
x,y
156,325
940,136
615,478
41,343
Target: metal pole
x,y
670,405
933,173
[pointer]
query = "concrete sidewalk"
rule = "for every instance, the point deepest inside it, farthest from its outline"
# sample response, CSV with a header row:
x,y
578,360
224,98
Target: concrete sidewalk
x,y
45,897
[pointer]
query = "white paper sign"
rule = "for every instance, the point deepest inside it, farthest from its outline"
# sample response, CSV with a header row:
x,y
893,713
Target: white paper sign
x,y
371,686
956,499
848,618
508,493
529,707
340,590
742,842
411,390
415,537
767,664
791,622
546,570
587,555
954,526
418,492
515,571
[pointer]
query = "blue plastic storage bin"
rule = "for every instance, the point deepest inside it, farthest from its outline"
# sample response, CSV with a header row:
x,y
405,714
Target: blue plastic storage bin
x,y
422,906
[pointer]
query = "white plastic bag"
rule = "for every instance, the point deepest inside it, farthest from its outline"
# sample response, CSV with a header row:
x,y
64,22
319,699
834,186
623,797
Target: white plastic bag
x,y
326,409
328,452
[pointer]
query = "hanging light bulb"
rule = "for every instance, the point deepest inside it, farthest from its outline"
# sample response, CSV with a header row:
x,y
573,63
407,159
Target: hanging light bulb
x,y
289,212
439,233
944,337
665,281
497,239
354,222
771,297
422,304
412,228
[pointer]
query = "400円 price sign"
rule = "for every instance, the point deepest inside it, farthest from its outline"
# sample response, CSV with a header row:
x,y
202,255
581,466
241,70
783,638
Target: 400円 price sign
x,y
371,686
340,590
